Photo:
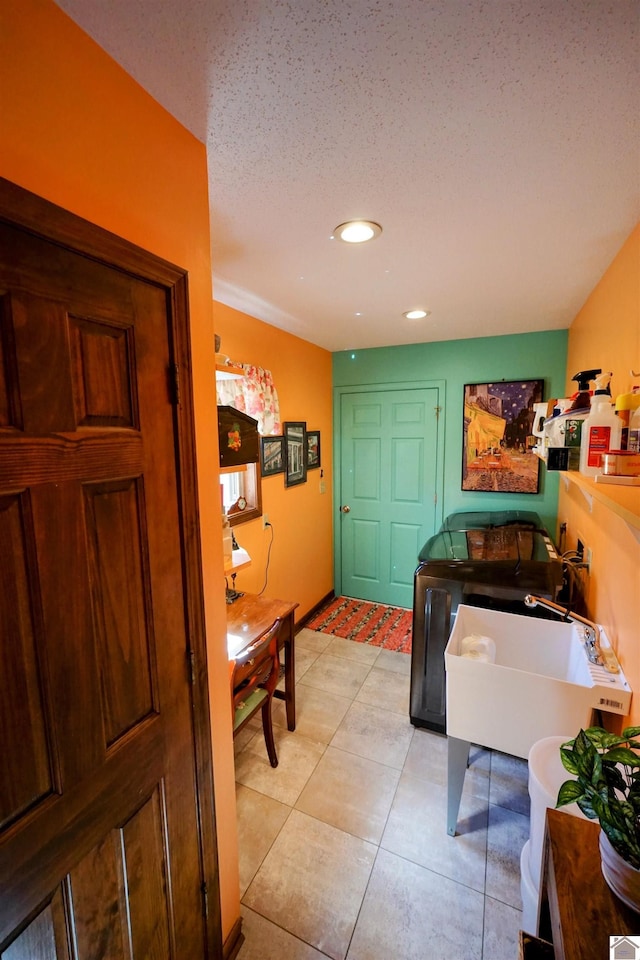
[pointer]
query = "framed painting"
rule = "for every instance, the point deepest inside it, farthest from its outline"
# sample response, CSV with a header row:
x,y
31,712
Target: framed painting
x,y
295,452
497,436
313,449
271,456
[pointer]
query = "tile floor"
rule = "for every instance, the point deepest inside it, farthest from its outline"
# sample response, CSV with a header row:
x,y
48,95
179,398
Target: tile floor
x,y
343,847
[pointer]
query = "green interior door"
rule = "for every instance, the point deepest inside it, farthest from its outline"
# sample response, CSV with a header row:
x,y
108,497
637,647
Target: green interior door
x,y
389,470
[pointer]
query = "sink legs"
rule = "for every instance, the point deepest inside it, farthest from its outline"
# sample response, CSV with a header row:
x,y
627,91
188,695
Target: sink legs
x,y
458,759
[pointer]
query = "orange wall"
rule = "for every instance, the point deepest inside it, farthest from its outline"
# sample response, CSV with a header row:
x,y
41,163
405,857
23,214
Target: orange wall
x,y
301,561
79,131
606,334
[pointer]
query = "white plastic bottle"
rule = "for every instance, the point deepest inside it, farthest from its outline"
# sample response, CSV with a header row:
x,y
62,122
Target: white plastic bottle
x,y
600,431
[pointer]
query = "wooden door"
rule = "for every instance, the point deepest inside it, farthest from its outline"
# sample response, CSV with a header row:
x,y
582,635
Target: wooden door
x,y
101,851
389,479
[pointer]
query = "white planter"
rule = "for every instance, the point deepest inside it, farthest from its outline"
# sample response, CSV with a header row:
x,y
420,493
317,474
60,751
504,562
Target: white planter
x,y
622,878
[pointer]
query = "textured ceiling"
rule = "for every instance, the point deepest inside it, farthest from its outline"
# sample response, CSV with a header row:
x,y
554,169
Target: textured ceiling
x,y
496,141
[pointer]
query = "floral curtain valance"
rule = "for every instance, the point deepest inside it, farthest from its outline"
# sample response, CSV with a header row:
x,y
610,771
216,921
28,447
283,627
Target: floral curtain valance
x,y
255,394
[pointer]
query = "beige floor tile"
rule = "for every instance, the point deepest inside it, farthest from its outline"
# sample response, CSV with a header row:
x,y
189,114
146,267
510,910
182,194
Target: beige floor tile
x,y
427,759
385,689
312,883
394,662
266,941
259,822
297,758
507,834
352,650
376,734
509,782
247,734
350,793
336,675
417,830
502,925
312,640
351,762
304,659
410,913
318,714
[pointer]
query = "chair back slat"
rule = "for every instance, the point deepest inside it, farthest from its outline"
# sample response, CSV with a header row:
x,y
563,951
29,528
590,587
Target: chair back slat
x,y
253,680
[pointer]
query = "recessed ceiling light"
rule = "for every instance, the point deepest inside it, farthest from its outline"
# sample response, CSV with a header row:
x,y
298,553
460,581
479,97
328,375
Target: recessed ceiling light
x,y
357,231
416,314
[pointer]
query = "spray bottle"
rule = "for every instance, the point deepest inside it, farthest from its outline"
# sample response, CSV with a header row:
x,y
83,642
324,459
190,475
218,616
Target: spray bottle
x,y
601,430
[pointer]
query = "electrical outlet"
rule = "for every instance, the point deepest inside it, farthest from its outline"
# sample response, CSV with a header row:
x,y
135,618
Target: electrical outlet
x,y
265,521
584,553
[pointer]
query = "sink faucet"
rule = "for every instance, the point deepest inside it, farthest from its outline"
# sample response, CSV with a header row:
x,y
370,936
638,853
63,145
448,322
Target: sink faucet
x,y
591,630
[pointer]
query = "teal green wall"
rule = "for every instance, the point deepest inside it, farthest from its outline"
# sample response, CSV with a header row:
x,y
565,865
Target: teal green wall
x,y
525,356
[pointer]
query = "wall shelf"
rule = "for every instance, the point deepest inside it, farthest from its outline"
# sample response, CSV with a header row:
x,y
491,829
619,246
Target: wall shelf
x,y
226,369
621,500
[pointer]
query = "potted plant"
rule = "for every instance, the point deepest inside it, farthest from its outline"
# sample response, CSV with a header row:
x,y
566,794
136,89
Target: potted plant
x,y
606,767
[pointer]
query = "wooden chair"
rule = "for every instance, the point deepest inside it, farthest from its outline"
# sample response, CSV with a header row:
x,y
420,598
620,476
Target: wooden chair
x,y
253,680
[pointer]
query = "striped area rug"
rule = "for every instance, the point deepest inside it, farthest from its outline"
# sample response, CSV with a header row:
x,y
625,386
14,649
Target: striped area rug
x,y
374,623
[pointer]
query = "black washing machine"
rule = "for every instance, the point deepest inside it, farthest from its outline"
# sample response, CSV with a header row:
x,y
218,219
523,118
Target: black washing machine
x,y
485,559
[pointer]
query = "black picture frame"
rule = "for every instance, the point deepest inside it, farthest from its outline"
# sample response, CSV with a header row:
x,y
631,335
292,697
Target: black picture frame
x,y
313,449
497,442
271,456
295,452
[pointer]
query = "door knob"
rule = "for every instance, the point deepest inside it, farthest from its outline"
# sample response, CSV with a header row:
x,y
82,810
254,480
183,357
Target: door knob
x,y
346,509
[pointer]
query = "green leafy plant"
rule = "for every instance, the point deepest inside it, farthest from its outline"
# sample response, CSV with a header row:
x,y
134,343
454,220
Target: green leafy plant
x,y
607,785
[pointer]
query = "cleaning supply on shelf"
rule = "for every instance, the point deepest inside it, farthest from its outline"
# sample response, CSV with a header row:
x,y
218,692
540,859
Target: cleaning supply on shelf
x,y
626,405
621,463
563,450
601,430
581,400
633,436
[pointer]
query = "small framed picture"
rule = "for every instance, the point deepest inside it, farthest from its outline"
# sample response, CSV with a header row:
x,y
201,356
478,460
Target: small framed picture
x,y
313,449
295,452
271,456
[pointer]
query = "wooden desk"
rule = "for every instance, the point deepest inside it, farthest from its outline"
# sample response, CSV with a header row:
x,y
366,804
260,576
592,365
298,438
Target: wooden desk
x,y
247,618
578,911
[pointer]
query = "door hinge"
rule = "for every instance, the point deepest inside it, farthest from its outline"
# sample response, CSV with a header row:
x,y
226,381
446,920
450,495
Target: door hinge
x,y
435,497
191,659
205,899
174,376
437,410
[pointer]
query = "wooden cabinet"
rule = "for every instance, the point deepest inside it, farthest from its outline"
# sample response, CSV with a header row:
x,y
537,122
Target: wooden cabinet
x,y
238,437
578,911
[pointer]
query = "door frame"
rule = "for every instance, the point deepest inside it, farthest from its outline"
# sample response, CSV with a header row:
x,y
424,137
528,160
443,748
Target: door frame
x,y
393,386
40,217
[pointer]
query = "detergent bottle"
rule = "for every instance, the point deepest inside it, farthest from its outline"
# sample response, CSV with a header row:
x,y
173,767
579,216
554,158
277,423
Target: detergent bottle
x,y
601,430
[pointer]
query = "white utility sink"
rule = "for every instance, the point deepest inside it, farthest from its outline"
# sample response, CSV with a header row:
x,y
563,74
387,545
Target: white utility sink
x,y
541,684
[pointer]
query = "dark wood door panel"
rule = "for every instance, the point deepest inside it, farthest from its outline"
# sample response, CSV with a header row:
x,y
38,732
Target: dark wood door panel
x,y
38,851
78,371
122,603
26,760
27,461
45,937
79,282
100,837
